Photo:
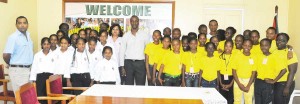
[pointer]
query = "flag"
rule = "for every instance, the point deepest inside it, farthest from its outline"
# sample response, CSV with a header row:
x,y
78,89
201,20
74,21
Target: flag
x,y
275,24
275,21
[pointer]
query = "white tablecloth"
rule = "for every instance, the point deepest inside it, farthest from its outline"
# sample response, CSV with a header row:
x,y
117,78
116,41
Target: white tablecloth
x,y
207,95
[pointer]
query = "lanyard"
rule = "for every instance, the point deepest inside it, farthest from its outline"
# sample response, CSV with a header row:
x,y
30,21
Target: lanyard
x,y
226,64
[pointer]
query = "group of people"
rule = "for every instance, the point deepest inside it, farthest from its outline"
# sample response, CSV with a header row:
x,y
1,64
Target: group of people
x,y
240,67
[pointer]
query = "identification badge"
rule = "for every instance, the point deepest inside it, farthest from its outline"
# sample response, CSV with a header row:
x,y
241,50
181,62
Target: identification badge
x,y
265,61
180,66
191,69
225,77
251,61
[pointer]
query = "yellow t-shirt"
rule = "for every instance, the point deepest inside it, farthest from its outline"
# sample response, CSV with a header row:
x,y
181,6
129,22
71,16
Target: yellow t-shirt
x,y
273,46
256,50
201,50
244,65
236,51
210,67
266,66
281,57
159,56
150,50
191,62
172,63
226,64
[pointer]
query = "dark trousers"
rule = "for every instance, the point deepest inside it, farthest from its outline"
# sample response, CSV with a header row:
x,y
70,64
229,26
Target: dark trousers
x,y
278,93
151,74
228,95
135,71
80,80
263,92
157,83
64,84
172,81
108,83
123,78
41,85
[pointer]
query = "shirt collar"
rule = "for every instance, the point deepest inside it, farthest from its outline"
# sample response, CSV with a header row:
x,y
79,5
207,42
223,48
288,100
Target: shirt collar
x,y
19,33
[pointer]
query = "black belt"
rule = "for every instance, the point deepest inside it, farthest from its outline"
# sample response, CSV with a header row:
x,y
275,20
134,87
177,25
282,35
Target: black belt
x,y
20,66
133,60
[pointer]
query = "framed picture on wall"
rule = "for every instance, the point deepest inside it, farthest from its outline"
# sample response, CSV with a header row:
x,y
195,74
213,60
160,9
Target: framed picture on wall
x,y
4,1
153,15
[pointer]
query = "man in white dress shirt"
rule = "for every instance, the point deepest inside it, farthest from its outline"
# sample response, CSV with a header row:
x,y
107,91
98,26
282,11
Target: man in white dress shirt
x,y
132,57
213,27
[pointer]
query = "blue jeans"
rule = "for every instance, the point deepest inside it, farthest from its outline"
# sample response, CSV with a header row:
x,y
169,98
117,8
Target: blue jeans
x,y
212,84
151,74
191,80
263,92
172,81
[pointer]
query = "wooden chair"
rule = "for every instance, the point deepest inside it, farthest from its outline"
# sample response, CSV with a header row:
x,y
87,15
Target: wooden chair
x,y
27,95
5,95
54,87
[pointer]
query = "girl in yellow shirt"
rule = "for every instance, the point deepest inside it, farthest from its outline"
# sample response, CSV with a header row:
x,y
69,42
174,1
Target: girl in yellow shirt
x,y
166,47
184,43
244,72
209,66
201,47
171,66
150,53
238,41
225,74
190,71
229,34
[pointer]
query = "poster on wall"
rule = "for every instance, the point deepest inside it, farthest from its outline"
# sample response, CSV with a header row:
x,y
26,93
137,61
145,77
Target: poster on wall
x,y
152,15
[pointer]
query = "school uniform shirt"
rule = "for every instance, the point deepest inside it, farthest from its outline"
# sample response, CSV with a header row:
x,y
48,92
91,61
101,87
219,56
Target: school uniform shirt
x,y
172,63
191,62
100,48
256,50
80,63
42,64
71,48
201,50
150,50
117,47
226,61
273,46
62,62
266,66
210,66
107,71
281,57
244,65
236,51
159,57
94,58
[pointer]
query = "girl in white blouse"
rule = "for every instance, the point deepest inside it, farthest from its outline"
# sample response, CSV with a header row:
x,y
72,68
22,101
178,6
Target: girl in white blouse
x,y
80,70
107,69
93,55
42,67
62,60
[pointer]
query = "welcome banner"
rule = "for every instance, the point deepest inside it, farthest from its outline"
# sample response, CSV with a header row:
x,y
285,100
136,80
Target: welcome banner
x,y
152,16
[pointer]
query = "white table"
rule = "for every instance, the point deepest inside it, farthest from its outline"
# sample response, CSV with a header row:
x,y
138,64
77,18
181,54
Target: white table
x,y
207,95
